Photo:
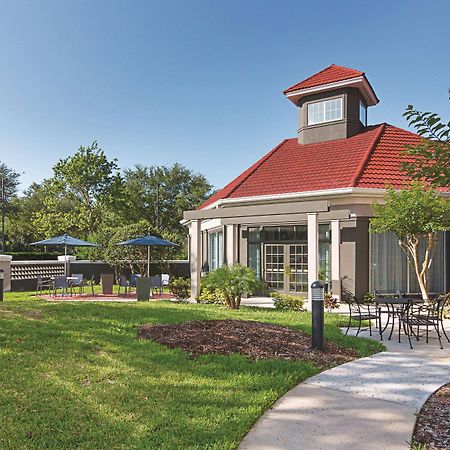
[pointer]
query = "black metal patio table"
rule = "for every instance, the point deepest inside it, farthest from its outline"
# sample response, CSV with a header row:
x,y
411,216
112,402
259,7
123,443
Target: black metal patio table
x,y
396,308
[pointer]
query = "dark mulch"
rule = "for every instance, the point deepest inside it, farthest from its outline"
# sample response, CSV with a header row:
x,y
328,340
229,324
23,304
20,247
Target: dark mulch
x,y
255,340
433,421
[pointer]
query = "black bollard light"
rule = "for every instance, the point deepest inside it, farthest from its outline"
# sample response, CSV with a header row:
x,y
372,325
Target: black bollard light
x,y
317,305
2,276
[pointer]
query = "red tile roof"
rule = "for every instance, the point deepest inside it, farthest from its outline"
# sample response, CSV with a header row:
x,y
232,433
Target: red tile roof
x,y
331,74
370,159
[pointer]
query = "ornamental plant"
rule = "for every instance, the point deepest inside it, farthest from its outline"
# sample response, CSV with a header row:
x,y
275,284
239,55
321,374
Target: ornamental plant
x,y
233,281
415,215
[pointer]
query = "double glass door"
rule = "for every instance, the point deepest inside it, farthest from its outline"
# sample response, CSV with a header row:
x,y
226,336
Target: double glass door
x,y
286,267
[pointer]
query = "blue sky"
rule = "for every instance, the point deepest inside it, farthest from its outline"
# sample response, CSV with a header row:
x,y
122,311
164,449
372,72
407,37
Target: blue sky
x,y
199,82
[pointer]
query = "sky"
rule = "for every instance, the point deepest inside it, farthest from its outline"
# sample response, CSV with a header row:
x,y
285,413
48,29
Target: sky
x,y
200,82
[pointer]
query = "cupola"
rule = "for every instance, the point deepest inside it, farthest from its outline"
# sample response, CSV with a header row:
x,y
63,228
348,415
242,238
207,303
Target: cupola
x,y
332,104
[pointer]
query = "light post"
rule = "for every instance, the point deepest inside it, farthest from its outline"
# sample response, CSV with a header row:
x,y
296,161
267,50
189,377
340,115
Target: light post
x,y
317,306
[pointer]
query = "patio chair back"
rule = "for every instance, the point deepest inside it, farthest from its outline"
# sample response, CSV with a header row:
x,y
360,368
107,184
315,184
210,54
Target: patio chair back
x,y
165,278
122,282
77,279
155,281
133,278
61,282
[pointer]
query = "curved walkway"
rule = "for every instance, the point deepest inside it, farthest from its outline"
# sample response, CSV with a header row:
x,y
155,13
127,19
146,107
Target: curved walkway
x,y
370,403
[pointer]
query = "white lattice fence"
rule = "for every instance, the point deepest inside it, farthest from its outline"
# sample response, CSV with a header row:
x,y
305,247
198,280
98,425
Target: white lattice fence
x,y
28,270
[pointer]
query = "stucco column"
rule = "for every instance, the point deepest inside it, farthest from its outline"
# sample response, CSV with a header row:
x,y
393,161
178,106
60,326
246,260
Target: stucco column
x,y
231,244
5,265
313,252
336,258
195,256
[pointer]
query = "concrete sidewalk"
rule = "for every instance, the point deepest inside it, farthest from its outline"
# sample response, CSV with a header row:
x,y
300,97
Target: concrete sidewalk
x,y
366,404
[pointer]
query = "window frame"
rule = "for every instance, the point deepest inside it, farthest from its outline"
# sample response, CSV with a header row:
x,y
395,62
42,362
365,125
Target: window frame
x,y
362,105
324,101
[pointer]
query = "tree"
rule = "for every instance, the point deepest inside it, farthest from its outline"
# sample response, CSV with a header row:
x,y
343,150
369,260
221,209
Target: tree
x,y
160,194
79,195
130,257
9,182
233,281
415,215
429,160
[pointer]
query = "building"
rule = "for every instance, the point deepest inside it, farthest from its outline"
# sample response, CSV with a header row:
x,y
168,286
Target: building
x,y
302,211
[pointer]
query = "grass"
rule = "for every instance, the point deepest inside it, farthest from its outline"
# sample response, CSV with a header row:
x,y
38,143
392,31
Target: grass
x,y
73,375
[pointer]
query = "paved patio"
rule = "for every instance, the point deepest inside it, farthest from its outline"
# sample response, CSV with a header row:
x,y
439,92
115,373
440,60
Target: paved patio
x,y
368,404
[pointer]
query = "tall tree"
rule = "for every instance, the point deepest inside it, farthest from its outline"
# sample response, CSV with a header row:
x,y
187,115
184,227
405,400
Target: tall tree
x,y
160,194
9,183
415,215
429,160
78,196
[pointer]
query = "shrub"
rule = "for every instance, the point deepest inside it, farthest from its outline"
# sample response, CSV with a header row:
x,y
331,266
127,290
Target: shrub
x,y
330,302
286,302
368,298
180,288
234,281
209,295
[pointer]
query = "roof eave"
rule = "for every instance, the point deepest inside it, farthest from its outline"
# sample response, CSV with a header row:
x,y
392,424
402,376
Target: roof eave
x,y
360,82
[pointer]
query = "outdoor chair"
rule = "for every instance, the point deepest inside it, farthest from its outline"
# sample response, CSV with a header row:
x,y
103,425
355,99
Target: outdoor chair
x,y
122,282
43,284
165,279
155,283
359,312
429,315
76,282
133,279
60,282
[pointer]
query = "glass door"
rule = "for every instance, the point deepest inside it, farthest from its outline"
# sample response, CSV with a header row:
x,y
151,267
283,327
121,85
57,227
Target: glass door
x,y
286,267
298,268
274,266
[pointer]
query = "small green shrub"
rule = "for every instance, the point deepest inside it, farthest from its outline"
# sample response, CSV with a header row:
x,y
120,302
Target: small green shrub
x,y
209,295
286,302
180,288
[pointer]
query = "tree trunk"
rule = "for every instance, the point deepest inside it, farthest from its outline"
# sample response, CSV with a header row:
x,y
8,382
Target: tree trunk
x,y
238,302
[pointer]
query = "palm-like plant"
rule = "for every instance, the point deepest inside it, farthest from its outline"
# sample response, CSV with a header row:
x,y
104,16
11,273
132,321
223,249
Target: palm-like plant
x,y
233,281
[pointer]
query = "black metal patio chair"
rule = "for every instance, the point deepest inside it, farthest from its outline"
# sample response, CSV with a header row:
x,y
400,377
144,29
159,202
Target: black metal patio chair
x,y
359,312
427,316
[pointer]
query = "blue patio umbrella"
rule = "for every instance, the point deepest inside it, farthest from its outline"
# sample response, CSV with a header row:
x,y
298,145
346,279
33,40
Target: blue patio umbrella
x,y
65,241
149,241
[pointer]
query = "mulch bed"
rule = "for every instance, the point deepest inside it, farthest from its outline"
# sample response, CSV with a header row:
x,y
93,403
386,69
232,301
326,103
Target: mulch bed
x,y
254,340
433,421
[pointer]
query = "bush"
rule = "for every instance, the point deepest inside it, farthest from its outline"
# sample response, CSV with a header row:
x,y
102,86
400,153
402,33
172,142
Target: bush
x,y
180,288
286,302
209,295
35,256
234,281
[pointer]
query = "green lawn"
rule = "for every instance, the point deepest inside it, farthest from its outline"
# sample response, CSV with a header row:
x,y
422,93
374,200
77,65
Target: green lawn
x,y
73,375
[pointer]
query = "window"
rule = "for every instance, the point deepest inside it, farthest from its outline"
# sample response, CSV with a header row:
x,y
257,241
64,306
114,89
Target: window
x,y
362,113
390,271
325,111
215,250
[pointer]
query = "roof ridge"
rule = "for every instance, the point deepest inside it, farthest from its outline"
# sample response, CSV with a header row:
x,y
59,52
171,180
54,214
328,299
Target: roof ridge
x,y
367,154
311,76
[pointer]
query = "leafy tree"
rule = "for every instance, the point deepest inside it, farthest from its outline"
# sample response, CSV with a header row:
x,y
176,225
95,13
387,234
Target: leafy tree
x,y
131,257
80,193
415,215
21,230
233,281
9,183
160,194
429,159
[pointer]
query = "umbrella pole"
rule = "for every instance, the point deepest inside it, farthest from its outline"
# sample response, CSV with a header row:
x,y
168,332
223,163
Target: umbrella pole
x,y
148,260
65,260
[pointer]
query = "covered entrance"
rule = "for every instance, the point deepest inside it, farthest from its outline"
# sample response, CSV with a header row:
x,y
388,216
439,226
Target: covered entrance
x,y
286,267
